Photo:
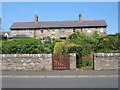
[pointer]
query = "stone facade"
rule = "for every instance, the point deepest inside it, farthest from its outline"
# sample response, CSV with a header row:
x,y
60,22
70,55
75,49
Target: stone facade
x,y
31,62
106,61
36,33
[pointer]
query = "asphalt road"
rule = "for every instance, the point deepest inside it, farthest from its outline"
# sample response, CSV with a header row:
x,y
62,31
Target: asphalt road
x,y
103,82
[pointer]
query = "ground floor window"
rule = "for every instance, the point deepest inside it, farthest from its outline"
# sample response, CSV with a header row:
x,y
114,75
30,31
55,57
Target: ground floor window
x,y
73,29
62,37
41,31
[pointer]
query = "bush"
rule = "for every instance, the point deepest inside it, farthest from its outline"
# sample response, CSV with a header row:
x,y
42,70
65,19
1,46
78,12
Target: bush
x,y
22,46
59,48
86,62
47,40
50,48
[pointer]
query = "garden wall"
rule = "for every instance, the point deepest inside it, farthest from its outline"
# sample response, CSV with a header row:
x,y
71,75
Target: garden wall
x,y
106,61
30,62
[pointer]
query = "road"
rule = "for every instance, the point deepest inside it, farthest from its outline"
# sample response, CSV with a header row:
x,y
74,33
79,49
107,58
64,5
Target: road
x,y
86,82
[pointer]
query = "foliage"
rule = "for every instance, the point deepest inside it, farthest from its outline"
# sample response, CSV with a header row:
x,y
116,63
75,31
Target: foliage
x,y
22,46
49,48
47,40
106,44
92,44
82,41
86,62
59,48
77,42
87,68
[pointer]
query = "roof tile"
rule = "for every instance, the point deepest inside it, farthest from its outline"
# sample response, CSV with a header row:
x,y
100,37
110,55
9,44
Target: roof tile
x,y
58,24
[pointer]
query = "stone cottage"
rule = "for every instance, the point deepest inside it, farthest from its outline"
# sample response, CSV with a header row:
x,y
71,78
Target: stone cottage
x,y
57,29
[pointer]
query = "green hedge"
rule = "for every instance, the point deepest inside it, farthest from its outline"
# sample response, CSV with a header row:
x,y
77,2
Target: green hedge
x,y
22,46
59,48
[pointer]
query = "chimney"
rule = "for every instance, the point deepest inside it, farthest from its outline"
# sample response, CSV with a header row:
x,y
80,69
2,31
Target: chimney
x,y
36,18
80,16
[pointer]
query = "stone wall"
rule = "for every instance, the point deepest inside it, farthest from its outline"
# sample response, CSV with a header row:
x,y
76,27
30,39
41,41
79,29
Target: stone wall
x,y
26,61
106,61
31,62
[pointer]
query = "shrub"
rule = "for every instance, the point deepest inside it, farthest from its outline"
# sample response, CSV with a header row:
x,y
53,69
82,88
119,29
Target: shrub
x,y
86,62
22,46
59,48
88,57
51,46
47,40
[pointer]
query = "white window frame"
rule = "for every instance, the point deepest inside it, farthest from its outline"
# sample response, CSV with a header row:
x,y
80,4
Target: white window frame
x,y
41,32
101,30
62,30
53,31
89,30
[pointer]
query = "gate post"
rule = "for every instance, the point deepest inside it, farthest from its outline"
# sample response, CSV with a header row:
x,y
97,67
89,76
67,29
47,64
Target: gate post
x,y
72,61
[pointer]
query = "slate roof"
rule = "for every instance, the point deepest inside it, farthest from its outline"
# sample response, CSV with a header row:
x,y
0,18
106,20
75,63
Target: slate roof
x,y
58,24
20,36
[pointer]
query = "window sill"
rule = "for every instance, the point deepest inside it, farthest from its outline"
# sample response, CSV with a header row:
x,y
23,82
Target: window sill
x,y
53,33
42,33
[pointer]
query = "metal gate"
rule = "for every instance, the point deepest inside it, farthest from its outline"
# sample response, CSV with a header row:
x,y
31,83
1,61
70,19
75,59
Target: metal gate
x,y
61,62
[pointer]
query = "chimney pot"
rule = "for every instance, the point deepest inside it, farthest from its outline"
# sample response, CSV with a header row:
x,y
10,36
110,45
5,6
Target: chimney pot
x,y
36,18
80,16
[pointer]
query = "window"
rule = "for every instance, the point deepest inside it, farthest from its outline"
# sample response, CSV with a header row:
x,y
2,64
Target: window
x,y
27,31
73,29
53,31
15,31
62,37
89,30
41,31
53,38
62,30
101,30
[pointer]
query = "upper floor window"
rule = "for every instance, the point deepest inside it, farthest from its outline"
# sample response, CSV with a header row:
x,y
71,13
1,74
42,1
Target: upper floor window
x,y
53,31
27,31
41,31
15,31
62,30
89,30
73,29
101,30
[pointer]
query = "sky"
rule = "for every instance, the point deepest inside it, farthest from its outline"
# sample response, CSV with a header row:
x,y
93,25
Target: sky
x,y
60,11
